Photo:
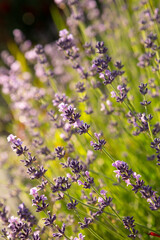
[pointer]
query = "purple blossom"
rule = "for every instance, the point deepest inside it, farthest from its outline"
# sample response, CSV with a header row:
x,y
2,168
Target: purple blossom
x,y
33,191
132,178
80,182
87,174
103,192
98,145
97,135
11,138
113,94
100,200
80,237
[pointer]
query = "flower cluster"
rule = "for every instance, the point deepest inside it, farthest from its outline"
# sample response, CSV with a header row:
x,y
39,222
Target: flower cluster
x,y
133,179
68,113
89,181
129,224
66,43
16,145
98,145
122,93
19,227
101,66
104,201
61,184
38,201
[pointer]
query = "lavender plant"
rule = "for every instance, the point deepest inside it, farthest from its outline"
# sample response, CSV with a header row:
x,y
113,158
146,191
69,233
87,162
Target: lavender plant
x,y
76,106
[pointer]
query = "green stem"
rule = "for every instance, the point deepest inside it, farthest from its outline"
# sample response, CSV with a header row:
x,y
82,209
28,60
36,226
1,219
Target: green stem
x,y
87,205
57,227
149,229
125,103
109,205
103,149
89,229
116,213
84,213
3,235
111,228
149,126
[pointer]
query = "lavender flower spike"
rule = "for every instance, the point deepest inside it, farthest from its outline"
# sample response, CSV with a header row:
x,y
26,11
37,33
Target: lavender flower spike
x,y
11,138
16,144
80,237
132,178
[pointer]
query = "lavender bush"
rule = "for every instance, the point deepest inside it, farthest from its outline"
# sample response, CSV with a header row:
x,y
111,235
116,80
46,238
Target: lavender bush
x,y
80,154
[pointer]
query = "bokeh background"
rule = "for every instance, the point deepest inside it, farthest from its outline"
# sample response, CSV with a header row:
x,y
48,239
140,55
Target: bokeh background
x,y
34,18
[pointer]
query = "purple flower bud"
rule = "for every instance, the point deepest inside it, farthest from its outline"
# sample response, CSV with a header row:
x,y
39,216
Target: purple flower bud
x,y
107,72
117,163
100,200
109,103
13,219
102,107
63,33
69,175
80,182
118,173
43,197
92,143
87,173
136,176
119,87
81,237
128,182
97,135
33,191
11,138
103,192
78,123
62,107
101,75
91,194
113,94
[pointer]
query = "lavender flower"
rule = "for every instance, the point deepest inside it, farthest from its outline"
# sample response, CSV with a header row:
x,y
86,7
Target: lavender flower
x,y
80,237
68,113
61,232
122,93
156,144
86,223
25,214
38,201
61,184
129,224
16,145
100,144
66,40
101,48
74,164
104,201
72,205
132,178
49,221
143,88
59,152
88,183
